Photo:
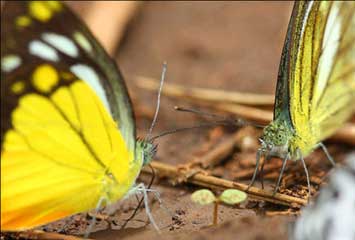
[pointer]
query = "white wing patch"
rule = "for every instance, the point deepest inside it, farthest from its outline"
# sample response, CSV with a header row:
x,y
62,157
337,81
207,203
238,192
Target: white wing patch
x,y
42,50
61,43
330,47
88,75
10,63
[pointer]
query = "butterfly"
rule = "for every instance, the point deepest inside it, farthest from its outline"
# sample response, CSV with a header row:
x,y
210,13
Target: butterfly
x,y
315,92
68,136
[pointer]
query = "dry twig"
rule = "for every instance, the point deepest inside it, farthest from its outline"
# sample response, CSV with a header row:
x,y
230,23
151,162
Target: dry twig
x,y
248,173
218,153
288,212
205,94
254,114
170,171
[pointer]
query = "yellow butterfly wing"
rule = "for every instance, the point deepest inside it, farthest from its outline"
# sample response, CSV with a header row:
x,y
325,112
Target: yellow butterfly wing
x,y
333,101
58,157
61,150
320,70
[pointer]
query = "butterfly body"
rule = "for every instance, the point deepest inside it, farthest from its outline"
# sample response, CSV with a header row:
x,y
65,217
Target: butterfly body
x,y
68,138
279,140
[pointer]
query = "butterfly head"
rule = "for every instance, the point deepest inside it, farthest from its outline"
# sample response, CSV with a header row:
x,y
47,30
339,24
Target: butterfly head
x,y
276,138
147,149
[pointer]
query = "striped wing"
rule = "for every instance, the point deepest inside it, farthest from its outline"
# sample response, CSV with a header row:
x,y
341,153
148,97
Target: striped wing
x,y
22,22
61,150
317,71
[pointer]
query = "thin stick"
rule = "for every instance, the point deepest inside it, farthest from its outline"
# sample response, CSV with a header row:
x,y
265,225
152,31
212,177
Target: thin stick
x,y
170,171
38,235
205,94
248,173
219,152
281,213
251,113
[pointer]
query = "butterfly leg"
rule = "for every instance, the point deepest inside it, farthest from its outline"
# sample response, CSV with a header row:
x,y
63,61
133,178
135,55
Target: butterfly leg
x,y
258,156
157,196
262,170
93,220
140,201
324,148
306,171
142,189
262,174
281,173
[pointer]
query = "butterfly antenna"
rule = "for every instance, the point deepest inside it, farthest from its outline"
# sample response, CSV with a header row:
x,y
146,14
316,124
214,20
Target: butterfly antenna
x,y
201,125
228,120
162,79
199,112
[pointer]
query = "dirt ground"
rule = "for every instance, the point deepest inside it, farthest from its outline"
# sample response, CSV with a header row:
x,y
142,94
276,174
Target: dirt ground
x,y
222,45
